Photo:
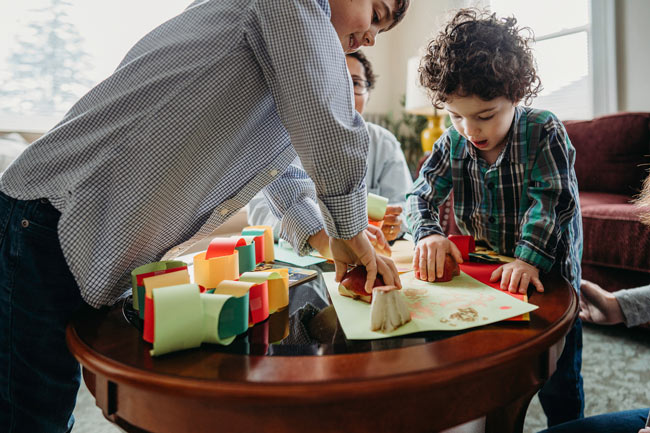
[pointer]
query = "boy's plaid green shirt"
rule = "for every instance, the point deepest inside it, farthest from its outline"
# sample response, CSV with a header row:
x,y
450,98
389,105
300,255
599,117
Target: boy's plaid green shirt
x,y
525,205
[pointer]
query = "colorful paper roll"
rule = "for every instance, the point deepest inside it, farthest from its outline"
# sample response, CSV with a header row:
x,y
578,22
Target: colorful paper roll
x,y
376,206
258,236
220,262
234,315
269,252
149,270
154,283
277,283
246,254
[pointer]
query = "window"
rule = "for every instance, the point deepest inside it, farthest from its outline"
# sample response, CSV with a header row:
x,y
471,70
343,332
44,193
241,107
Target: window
x,y
575,53
54,51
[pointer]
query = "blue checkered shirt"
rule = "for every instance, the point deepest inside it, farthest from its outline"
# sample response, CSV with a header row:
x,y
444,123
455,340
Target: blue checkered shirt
x,y
201,114
524,205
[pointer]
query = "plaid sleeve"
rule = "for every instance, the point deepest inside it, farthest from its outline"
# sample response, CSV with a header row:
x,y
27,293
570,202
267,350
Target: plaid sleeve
x,y
429,191
552,197
304,65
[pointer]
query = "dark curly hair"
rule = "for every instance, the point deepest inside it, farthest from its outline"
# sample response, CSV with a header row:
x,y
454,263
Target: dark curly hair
x,y
367,67
479,54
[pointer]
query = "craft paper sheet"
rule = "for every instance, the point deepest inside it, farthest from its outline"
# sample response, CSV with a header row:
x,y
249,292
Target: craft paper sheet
x,y
458,304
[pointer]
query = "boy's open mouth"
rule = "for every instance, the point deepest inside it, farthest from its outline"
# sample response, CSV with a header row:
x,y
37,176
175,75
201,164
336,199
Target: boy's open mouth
x,y
481,143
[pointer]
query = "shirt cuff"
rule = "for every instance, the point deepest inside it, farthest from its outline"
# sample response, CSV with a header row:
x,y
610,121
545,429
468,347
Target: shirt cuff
x,y
300,222
345,216
633,303
528,253
425,230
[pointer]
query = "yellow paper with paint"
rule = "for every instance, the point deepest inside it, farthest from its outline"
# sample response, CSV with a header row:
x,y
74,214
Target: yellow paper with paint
x,y
179,318
376,206
461,303
269,254
163,280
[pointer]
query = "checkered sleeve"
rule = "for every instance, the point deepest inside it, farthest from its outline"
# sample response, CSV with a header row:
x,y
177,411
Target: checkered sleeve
x,y
292,197
552,194
429,191
303,63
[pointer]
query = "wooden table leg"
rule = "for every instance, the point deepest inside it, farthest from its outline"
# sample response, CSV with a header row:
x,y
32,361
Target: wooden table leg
x,y
509,418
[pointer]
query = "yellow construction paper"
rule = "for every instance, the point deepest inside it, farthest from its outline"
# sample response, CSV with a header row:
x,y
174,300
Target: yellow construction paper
x,y
209,273
269,255
163,280
278,284
461,303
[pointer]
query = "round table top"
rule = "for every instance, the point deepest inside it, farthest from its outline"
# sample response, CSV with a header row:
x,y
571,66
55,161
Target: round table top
x,y
315,352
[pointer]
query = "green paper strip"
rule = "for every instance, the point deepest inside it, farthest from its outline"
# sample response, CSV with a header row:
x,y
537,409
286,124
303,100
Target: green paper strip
x,y
233,319
252,232
376,206
246,258
212,309
138,303
178,318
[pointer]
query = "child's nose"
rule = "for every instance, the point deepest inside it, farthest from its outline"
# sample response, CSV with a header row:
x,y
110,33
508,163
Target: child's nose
x,y
369,38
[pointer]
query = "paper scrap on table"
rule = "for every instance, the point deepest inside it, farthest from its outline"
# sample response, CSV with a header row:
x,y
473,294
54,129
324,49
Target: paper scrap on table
x,y
458,304
287,255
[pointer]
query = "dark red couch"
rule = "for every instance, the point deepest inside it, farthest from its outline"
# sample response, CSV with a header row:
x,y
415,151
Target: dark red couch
x,y
612,158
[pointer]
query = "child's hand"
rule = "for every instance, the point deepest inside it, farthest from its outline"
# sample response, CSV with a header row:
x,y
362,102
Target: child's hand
x,y
392,222
378,240
516,276
429,256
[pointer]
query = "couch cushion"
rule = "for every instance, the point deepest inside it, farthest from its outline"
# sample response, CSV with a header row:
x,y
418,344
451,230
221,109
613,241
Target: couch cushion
x,y
611,152
613,235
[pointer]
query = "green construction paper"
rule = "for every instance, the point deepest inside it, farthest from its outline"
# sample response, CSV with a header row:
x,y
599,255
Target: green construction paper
x,y
289,256
376,206
433,306
233,319
138,302
178,316
252,232
212,307
246,258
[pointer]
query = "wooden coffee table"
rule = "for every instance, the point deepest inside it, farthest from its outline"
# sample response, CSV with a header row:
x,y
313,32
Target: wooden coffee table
x,y
420,383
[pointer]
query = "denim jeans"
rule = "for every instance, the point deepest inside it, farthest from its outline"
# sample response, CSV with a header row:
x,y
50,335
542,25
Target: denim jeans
x,y
630,421
39,378
562,397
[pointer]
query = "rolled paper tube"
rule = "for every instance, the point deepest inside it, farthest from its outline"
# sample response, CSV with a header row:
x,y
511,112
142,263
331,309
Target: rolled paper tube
x,y
140,282
213,309
465,244
258,303
180,318
258,237
269,252
153,283
279,325
234,314
376,206
278,284
150,268
220,247
246,258
210,272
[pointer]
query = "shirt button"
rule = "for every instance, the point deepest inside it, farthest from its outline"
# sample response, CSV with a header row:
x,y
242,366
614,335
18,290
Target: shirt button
x,y
24,223
273,172
223,212
492,220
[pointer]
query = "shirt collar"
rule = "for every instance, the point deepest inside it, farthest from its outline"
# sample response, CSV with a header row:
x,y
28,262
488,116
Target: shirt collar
x,y
325,5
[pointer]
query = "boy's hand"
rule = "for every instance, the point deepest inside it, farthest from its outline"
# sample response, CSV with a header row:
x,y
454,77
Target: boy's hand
x,y
429,256
392,222
359,251
516,276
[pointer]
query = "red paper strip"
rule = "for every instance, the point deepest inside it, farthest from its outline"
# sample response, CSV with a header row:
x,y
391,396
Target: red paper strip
x,y
223,247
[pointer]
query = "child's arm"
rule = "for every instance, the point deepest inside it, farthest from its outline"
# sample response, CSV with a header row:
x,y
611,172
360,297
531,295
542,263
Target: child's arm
x,y
552,195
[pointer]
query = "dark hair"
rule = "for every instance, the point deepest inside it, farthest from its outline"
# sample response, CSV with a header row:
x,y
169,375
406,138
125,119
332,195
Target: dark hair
x,y
479,54
643,201
398,13
367,67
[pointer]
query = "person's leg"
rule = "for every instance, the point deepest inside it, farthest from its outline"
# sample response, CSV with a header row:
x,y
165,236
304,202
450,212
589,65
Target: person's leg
x,y
630,421
562,397
39,378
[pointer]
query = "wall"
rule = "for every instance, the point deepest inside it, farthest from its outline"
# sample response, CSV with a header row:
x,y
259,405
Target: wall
x,y
424,18
633,51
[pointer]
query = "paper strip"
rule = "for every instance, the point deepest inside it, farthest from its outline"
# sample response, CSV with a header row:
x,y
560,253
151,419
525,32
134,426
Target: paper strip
x,y
269,255
179,318
153,269
210,272
376,206
151,284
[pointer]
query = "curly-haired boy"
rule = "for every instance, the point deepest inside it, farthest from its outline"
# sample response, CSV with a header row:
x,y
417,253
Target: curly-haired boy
x,y
510,169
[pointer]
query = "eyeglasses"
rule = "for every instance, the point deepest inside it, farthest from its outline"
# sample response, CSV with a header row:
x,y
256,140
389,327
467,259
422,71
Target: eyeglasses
x,y
360,86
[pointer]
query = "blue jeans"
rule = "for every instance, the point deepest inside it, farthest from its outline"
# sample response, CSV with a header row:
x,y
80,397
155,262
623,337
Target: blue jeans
x,y
562,397
630,421
39,378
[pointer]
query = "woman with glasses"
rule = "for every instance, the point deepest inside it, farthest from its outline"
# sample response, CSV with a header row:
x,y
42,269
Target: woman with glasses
x,y
388,174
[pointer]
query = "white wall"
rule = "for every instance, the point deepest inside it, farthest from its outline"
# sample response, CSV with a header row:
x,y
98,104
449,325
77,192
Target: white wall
x,y
633,51
424,18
